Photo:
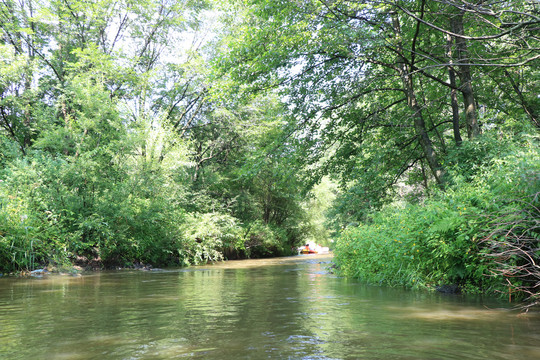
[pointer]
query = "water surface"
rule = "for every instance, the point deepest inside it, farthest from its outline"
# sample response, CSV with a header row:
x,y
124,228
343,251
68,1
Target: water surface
x,y
288,308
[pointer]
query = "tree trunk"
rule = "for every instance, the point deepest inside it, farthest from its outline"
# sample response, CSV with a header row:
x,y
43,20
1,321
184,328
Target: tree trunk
x,y
419,123
453,93
464,73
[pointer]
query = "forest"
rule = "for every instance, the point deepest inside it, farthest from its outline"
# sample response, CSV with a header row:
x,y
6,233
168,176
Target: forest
x,y
404,134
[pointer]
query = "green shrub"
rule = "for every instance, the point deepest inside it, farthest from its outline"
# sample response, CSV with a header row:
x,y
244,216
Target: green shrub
x,y
456,236
206,235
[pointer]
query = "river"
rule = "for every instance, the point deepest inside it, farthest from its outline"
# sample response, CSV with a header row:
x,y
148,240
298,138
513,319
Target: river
x,y
286,308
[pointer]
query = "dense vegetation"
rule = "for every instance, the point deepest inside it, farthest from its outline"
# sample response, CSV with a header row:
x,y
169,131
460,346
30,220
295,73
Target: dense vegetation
x,y
481,227
181,132
119,147
379,94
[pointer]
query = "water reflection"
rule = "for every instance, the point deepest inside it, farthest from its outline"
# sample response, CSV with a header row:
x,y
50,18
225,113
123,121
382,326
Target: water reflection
x,y
279,309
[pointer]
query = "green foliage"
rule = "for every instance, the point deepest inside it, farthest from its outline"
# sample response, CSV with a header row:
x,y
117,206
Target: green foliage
x,y
114,154
415,246
317,205
449,238
208,236
27,236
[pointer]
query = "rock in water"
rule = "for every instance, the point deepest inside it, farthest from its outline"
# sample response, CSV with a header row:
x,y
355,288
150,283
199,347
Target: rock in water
x,y
449,289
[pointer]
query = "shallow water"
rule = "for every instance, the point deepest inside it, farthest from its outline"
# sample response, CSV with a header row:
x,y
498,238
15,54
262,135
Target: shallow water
x,y
287,308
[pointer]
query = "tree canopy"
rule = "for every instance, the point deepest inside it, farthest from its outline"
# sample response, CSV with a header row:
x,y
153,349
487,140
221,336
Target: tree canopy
x,y
355,73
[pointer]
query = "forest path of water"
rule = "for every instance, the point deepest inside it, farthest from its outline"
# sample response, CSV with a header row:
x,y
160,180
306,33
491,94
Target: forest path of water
x,y
284,308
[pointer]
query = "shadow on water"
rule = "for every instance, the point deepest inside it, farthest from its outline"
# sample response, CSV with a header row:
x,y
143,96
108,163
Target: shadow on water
x,y
285,308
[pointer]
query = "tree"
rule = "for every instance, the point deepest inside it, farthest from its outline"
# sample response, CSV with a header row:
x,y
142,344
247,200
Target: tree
x,y
347,69
99,154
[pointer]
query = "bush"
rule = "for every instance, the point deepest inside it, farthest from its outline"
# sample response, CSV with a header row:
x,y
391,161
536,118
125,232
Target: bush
x,y
415,246
265,240
481,233
207,235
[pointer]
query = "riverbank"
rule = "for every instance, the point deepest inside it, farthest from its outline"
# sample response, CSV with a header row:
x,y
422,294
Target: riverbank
x,y
479,234
224,264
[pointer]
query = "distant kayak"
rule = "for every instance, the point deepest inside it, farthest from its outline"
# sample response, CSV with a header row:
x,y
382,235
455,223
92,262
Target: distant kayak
x,y
313,248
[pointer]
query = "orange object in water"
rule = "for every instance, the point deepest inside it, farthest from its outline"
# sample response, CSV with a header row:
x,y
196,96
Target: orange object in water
x,y
307,250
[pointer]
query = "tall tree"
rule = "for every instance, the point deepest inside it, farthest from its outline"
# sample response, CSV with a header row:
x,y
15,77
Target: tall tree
x,y
347,69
